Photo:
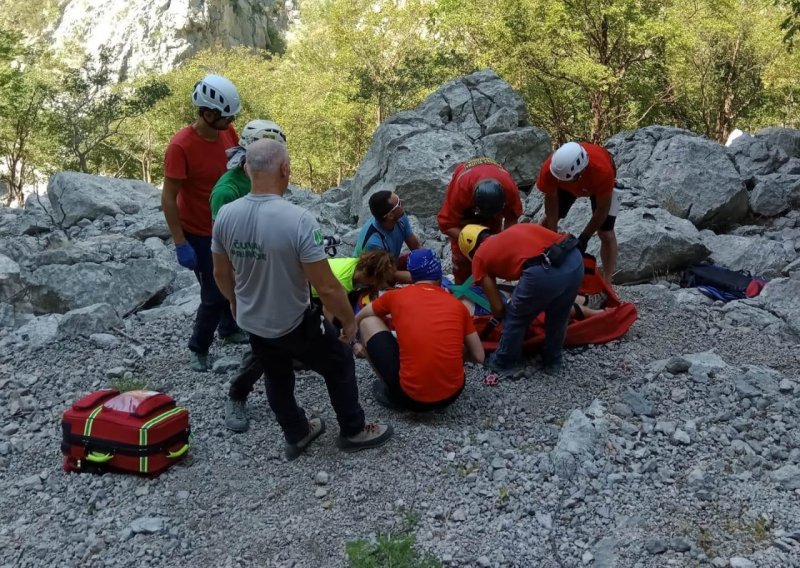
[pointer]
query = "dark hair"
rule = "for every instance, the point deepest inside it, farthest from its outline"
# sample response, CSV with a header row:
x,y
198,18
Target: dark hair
x,y
379,204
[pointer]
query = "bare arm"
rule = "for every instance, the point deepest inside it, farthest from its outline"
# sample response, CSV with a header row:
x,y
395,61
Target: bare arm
x,y
169,204
332,294
364,312
453,233
474,348
225,278
413,242
402,277
550,211
600,213
493,295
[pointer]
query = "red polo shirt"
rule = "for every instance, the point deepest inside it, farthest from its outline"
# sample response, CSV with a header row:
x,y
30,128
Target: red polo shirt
x,y
459,201
596,179
502,255
199,164
431,326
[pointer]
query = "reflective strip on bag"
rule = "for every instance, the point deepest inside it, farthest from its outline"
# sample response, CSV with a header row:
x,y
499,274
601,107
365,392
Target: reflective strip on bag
x,y
143,433
87,427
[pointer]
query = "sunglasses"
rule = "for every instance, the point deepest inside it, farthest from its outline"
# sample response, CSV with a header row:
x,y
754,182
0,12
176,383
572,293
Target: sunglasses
x,y
398,205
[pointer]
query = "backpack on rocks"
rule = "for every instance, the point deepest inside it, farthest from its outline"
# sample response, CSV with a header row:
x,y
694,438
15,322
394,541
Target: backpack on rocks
x,y
720,283
137,431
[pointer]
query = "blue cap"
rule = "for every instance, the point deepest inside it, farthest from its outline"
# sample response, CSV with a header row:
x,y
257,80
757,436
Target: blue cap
x,y
423,264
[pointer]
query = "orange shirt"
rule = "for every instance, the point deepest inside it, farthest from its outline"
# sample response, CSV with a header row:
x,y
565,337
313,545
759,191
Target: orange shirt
x,y
459,201
431,326
199,164
596,179
502,255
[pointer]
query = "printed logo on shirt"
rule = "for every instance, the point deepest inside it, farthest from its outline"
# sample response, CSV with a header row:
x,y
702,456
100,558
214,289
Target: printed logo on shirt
x,y
478,161
243,249
318,237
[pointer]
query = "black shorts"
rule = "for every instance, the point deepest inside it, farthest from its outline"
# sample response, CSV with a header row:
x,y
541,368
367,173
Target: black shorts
x,y
565,201
384,353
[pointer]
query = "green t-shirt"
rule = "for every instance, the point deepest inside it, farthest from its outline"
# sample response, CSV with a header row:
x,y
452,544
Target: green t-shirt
x,y
231,186
343,269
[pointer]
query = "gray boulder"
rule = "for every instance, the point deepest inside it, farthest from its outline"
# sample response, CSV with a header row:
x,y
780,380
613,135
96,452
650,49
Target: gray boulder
x,y
149,225
7,318
39,331
652,241
577,442
756,254
10,282
780,298
125,286
99,249
688,175
83,322
774,194
75,196
415,152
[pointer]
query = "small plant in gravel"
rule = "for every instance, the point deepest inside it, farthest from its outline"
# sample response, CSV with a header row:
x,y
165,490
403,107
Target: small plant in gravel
x,y
392,549
124,385
388,550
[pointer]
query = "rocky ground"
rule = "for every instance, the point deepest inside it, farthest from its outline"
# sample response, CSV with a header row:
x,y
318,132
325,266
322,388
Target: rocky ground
x,y
640,454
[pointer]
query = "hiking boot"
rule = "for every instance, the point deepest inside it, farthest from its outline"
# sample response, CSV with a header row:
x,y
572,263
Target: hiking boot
x,y
552,367
236,415
236,338
382,396
373,435
198,362
316,426
596,301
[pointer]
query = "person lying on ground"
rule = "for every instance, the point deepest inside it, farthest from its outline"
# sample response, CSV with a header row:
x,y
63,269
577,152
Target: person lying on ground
x,y
423,368
518,253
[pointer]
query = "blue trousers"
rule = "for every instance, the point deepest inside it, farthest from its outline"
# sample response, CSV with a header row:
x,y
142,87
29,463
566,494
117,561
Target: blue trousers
x,y
541,288
214,310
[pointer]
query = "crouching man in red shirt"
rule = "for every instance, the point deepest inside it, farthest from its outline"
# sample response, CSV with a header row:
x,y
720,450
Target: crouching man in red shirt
x,y
481,191
549,268
423,368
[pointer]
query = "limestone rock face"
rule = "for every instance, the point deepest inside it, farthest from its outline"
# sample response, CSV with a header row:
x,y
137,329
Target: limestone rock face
x,y
414,153
688,175
75,196
158,35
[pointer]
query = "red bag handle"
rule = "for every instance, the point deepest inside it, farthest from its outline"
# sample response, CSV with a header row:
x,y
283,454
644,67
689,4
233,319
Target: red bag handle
x,y
92,400
152,404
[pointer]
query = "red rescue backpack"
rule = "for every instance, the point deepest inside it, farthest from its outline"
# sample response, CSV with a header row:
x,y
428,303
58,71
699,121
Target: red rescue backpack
x,y
609,325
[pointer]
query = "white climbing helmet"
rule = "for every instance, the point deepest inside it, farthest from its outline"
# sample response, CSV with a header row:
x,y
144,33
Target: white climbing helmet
x,y
213,91
258,129
568,161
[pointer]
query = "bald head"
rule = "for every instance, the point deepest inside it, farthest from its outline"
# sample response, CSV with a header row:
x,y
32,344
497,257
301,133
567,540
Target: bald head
x,y
267,164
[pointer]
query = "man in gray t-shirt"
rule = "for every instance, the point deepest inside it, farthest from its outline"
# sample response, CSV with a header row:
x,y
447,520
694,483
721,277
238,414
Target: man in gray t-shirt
x,y
266,252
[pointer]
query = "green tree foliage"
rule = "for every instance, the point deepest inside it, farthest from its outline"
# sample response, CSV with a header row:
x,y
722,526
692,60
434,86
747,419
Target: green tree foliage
x,y
25,88
723,61
88,111
586,69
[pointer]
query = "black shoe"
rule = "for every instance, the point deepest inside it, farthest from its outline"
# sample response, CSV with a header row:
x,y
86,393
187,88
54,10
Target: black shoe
x,y
382,396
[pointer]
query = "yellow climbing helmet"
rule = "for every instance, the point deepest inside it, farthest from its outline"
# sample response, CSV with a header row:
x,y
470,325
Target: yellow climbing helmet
x,y
470,238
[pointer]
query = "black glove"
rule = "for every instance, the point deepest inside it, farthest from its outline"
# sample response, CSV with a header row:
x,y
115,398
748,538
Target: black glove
x,y
582,244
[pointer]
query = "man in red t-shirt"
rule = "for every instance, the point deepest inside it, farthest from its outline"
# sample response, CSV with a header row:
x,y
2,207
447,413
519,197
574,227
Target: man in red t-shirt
x,y
480,191
518,253
423,368
194,161
583,170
